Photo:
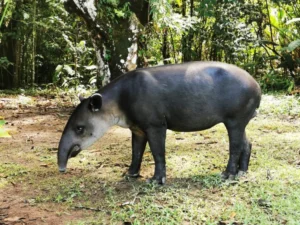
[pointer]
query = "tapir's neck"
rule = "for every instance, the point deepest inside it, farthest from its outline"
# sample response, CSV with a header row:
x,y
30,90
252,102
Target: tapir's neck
x,y
111,95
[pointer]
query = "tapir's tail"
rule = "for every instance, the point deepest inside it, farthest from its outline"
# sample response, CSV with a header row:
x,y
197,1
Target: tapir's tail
x,y
254,114
256,111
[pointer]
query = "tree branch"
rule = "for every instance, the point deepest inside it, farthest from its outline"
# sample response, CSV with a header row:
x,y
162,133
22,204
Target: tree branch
x,y
87,11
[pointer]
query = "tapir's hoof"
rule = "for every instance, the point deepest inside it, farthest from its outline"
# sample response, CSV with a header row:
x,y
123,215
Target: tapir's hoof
x,y
224,175
241,174
227,176
160,181
135,175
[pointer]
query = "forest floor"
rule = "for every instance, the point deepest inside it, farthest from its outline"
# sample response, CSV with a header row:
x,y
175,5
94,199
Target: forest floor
x,y
94,190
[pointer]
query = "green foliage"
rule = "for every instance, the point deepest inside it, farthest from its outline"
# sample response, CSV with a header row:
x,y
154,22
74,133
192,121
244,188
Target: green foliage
x,y
273,81
124,12
293,45
3,132
5,11
68,193
262,37
5,63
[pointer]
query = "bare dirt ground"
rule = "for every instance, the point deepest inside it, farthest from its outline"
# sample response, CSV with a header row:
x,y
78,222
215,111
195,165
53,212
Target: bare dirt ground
x,y
31,127
36,125
93,191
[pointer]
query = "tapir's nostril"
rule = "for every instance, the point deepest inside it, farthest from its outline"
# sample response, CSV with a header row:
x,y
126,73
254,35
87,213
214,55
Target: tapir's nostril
x,y
62,170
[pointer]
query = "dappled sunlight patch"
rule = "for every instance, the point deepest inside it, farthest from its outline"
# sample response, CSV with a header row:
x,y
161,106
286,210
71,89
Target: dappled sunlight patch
x,y
271,151
194,165
280,105
266,199
267,125
281,173
195,153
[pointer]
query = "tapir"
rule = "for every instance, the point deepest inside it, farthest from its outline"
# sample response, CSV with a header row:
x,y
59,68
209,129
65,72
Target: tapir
x,y
183,97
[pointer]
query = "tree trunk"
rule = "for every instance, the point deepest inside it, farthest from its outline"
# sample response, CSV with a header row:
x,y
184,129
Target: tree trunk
x,y
121,42
187,38
33,43
10,47
17,66
165,47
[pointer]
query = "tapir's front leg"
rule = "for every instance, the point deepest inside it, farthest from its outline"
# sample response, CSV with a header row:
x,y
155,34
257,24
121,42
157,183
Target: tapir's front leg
x,y
157,138
139,142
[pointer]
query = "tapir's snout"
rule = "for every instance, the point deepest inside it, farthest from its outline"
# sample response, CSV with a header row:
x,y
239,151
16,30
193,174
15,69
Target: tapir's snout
x,y
62,159
66,151
62,170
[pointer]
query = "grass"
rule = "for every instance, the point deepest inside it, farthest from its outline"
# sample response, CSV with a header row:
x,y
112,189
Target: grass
x,y
10,171
194,193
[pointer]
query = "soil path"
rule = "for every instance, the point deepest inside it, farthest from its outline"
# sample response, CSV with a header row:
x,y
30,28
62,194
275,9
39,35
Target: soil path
x,y
31,127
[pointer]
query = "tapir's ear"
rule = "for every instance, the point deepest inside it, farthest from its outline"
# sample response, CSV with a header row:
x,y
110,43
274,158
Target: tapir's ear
x,y
95,102
81,98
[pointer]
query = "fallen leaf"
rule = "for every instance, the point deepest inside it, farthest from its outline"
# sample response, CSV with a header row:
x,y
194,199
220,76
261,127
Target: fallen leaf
x,y
232,215
13,219
125,204
230,222
44,165
179,138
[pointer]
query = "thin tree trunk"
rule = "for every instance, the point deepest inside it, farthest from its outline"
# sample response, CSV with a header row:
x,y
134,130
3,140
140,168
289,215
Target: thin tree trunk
x,y
16,73
33,42
184,36
191,33
165,49
173,46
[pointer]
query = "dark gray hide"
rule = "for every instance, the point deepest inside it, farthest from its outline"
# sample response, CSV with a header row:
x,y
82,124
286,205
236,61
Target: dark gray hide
x,y
185,97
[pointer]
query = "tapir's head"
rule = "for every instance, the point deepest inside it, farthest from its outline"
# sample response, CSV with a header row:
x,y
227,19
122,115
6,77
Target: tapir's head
x,y
88,122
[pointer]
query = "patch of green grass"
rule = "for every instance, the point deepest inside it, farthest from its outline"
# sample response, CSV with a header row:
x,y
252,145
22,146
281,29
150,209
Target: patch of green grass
x,y
58,189
280,105
194,192
10,172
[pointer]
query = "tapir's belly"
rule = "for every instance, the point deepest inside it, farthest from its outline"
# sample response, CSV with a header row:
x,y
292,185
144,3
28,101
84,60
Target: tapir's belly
x,y
192,118
193,124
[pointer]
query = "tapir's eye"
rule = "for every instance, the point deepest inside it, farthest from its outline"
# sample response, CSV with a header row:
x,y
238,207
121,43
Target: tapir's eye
x,y
79,129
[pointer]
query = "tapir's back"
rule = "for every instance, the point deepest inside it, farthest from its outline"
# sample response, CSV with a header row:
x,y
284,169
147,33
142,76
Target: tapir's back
x,y
190,96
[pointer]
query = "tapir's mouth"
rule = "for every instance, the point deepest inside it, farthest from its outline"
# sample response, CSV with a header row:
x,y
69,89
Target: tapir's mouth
x,y
62,160
74,151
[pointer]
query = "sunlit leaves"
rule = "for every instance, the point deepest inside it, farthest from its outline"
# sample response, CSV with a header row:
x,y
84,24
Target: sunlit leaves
x,y
3,132
293,20
164,16
293,45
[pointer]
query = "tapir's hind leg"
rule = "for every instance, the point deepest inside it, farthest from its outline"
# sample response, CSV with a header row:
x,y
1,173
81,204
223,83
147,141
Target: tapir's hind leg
x,y
157,138
239,149
139,142
245,157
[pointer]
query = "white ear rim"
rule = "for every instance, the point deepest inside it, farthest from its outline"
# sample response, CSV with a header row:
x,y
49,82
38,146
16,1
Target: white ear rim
x,y
98,94
81,98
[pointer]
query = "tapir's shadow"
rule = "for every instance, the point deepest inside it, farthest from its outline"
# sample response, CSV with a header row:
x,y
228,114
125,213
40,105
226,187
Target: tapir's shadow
x,y
200,182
